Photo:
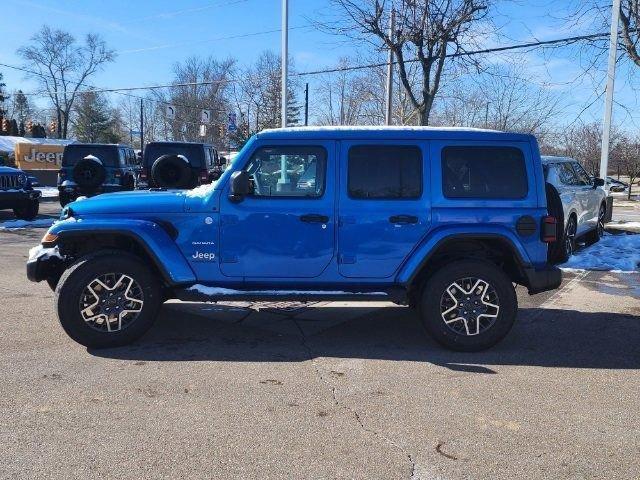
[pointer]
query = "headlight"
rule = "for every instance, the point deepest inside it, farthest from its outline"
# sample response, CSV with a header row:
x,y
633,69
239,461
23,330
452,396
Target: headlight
x,y
22,179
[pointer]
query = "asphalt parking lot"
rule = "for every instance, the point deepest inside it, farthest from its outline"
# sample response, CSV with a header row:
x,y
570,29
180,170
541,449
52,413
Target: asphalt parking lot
x,y
329,390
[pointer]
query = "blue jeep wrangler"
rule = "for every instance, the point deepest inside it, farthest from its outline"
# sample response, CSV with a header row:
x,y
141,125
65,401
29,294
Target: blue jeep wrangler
x,y
17,193
444,220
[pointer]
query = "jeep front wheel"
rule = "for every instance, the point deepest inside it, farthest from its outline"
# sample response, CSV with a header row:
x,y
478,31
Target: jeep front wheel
x,y
468,305
107,299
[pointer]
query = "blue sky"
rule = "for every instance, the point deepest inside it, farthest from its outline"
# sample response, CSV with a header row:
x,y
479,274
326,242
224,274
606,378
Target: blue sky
x,y
150,36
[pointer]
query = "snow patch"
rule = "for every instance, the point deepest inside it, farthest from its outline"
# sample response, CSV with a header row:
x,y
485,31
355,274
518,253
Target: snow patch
x,y
44,253
48,192
214,291
366,128
615,253
20,224
202,191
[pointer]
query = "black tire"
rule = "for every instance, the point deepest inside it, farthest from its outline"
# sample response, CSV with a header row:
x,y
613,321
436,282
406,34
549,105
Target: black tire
x,y
28,210
554,207
89,173
595,235
70,292
65,198
462,335
172,171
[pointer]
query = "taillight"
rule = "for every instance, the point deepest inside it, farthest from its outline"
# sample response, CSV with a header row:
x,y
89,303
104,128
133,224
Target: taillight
x,y
117,174
549,229
143,175
204,176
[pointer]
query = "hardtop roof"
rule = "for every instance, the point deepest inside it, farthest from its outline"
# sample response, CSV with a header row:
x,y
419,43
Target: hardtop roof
x,y
391,132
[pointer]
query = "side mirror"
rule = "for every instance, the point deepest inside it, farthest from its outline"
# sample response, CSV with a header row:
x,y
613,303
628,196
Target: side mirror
x,y
240,186
598,182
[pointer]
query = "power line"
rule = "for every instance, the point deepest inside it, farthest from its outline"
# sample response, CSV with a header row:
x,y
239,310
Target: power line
x,y
124,90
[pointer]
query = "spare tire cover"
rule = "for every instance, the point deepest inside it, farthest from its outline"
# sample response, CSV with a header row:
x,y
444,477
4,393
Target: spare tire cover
x,y
172,171
89,172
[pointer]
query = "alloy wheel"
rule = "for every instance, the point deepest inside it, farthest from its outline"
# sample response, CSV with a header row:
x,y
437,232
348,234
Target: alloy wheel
x,y
469,306
570,237
111,302
600,227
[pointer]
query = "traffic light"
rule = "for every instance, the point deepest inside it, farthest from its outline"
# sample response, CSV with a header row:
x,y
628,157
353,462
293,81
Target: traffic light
x,y
30,127
5,125
221,131
53,127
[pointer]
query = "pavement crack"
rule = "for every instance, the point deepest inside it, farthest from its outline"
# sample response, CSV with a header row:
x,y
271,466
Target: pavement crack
x,y
353,412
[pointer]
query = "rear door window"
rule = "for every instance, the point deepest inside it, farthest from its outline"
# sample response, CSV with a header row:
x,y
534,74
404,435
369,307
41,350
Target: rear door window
x,y
567,175
581,174
484,172
378,172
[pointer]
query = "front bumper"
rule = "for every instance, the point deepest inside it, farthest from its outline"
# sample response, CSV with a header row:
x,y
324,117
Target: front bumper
x,y
542,279
10,198
44,263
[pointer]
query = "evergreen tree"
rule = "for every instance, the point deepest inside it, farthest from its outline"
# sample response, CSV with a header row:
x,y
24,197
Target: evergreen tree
x,y
21,106
93,120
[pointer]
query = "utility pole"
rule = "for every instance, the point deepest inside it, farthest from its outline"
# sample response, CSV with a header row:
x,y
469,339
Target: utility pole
x,y
285,59
608,102
389,106
141,125
306,105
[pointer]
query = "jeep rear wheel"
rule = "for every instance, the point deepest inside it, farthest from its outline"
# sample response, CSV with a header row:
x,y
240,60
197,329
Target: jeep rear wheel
x,y
468,305
28,210
107,299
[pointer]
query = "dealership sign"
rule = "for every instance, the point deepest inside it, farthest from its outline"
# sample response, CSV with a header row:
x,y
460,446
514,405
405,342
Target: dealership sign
x,y
31,156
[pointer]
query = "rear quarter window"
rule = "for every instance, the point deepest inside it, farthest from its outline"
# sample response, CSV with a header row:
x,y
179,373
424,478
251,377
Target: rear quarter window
x,y
484,172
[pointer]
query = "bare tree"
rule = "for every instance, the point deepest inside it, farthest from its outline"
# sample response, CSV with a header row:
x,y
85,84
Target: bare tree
x,y
630,21
200,84
426,32
626,153
62,67
343,96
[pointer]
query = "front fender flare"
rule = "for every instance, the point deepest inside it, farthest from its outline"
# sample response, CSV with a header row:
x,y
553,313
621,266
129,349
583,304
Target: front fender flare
x,y
438,237
150,236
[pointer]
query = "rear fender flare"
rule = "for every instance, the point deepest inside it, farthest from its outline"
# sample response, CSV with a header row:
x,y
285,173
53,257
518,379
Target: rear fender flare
x,y
437,238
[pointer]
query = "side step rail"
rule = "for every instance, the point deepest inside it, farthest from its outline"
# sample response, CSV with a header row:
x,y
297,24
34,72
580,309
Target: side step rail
x,y
204,293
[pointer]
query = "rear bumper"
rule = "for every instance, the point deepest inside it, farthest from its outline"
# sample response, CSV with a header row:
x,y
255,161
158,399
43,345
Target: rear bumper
x,y
542,279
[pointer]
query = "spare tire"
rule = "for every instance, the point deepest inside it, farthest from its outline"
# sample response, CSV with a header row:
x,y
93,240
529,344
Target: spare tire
x,y
89,172
556,252
172,171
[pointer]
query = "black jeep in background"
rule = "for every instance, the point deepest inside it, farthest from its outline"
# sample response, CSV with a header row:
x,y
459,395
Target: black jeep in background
x,y
89,169
180,164
17,193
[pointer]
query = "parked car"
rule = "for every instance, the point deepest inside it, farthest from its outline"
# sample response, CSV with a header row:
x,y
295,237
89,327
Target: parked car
x,y
616,186
89,169
444,220
17,193
583,202
180,165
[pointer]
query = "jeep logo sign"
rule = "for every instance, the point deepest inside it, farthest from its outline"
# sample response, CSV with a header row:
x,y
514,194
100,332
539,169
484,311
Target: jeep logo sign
x,y
31,156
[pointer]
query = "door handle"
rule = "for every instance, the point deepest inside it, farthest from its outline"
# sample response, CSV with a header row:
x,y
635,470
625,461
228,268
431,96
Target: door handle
x,y
402,219
314,218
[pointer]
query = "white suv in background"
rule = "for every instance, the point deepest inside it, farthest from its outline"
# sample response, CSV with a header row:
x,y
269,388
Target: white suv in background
x,y
584,205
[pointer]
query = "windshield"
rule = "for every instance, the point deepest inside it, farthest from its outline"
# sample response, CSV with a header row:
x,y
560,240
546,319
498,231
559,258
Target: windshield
x,y
73,154
194,153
